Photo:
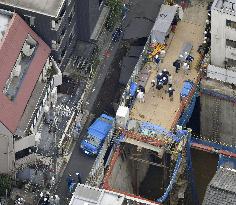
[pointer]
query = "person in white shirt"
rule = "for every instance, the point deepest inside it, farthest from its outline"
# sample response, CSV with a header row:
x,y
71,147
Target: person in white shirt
x,y
140,97
185,68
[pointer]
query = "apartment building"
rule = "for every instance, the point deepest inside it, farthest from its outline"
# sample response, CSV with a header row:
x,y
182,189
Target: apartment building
x,y
218,95
58,22
28,81
223,33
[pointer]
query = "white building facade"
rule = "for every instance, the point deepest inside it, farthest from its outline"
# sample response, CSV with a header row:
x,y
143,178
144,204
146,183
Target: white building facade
x,y
223,41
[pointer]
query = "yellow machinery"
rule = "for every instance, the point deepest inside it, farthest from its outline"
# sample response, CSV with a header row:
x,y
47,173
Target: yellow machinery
x,y
157,48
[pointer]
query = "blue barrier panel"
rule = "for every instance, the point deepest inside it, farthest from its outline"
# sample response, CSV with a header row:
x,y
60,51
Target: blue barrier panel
x,y
213,144
190,173
172,181
228,161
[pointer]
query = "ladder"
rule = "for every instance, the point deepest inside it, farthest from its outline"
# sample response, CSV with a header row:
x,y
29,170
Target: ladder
x,y
215,120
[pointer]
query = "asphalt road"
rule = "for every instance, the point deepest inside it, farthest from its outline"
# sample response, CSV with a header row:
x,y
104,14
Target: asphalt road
x,y
78,162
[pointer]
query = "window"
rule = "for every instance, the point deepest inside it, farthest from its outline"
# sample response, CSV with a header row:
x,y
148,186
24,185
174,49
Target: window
x,y
100,2
231,24
231,43
70,37
230,63
24,152
29,20
71,14
63,52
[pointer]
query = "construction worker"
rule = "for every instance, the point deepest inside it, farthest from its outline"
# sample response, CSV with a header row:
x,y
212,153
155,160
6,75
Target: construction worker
x,y
171,93
165,82
170,81
177,64
162,55
140,97
153,84
159,87
78,177
185,68
166,73
159,76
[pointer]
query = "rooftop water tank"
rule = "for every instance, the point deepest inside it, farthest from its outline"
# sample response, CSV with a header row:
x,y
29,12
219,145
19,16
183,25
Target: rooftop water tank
x,y
122,116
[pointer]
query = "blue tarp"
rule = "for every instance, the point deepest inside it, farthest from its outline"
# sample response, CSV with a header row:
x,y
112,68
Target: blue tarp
x,y
100,128
148,128
133,88
188,85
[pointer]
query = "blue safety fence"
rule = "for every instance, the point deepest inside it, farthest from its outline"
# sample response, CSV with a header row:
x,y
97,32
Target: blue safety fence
x,y
213,144
172,181
226,161
149,129
186,115
133,88
190,172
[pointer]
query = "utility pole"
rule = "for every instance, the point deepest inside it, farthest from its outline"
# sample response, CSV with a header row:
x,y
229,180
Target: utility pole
x,y
53,129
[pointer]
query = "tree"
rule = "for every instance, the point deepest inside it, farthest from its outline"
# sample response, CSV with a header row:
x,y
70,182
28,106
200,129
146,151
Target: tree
x,y
5,184
115,13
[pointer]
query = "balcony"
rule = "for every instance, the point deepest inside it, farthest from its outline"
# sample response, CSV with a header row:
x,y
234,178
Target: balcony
x,y
24,143
25,161
230,52
57,23
230,33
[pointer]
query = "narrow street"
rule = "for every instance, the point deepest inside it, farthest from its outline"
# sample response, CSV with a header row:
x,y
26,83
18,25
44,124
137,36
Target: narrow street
x,y
102,96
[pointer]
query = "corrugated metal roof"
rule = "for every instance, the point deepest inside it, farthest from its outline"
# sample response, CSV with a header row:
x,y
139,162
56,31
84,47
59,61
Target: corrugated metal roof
x,y
10,47
222,188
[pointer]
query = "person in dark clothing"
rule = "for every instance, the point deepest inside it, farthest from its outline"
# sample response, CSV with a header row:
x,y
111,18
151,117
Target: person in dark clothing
x,y
159,76
171,93
177,65
159,87
189,58
141,88
78,177
166,73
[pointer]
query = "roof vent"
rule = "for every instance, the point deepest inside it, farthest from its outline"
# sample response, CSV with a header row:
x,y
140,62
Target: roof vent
x,y
17,71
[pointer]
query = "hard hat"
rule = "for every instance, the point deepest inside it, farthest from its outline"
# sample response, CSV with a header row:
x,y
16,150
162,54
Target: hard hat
x,y
164,69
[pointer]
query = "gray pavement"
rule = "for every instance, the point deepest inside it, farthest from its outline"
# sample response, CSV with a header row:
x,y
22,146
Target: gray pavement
x,y
78,161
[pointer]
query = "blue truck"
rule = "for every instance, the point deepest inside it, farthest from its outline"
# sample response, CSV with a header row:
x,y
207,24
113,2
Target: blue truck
x,y
96,135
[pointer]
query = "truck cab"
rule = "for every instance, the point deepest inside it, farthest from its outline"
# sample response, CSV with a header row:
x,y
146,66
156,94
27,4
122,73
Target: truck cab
x,y
96,135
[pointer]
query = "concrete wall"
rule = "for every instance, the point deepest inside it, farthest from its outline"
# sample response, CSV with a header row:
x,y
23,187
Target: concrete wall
x,y
121,178
88,12
219,33
128,174
226,114
7,154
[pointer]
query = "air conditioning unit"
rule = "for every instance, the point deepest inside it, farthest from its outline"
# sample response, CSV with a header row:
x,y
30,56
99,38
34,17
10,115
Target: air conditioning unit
x,y
53,24
122,116
17,71
54,96
27,50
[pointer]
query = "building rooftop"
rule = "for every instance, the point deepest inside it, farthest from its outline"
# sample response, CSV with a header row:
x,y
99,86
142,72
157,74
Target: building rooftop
x,y
11,110
49,8
5,18
222,188
228,6
87,195
157,108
